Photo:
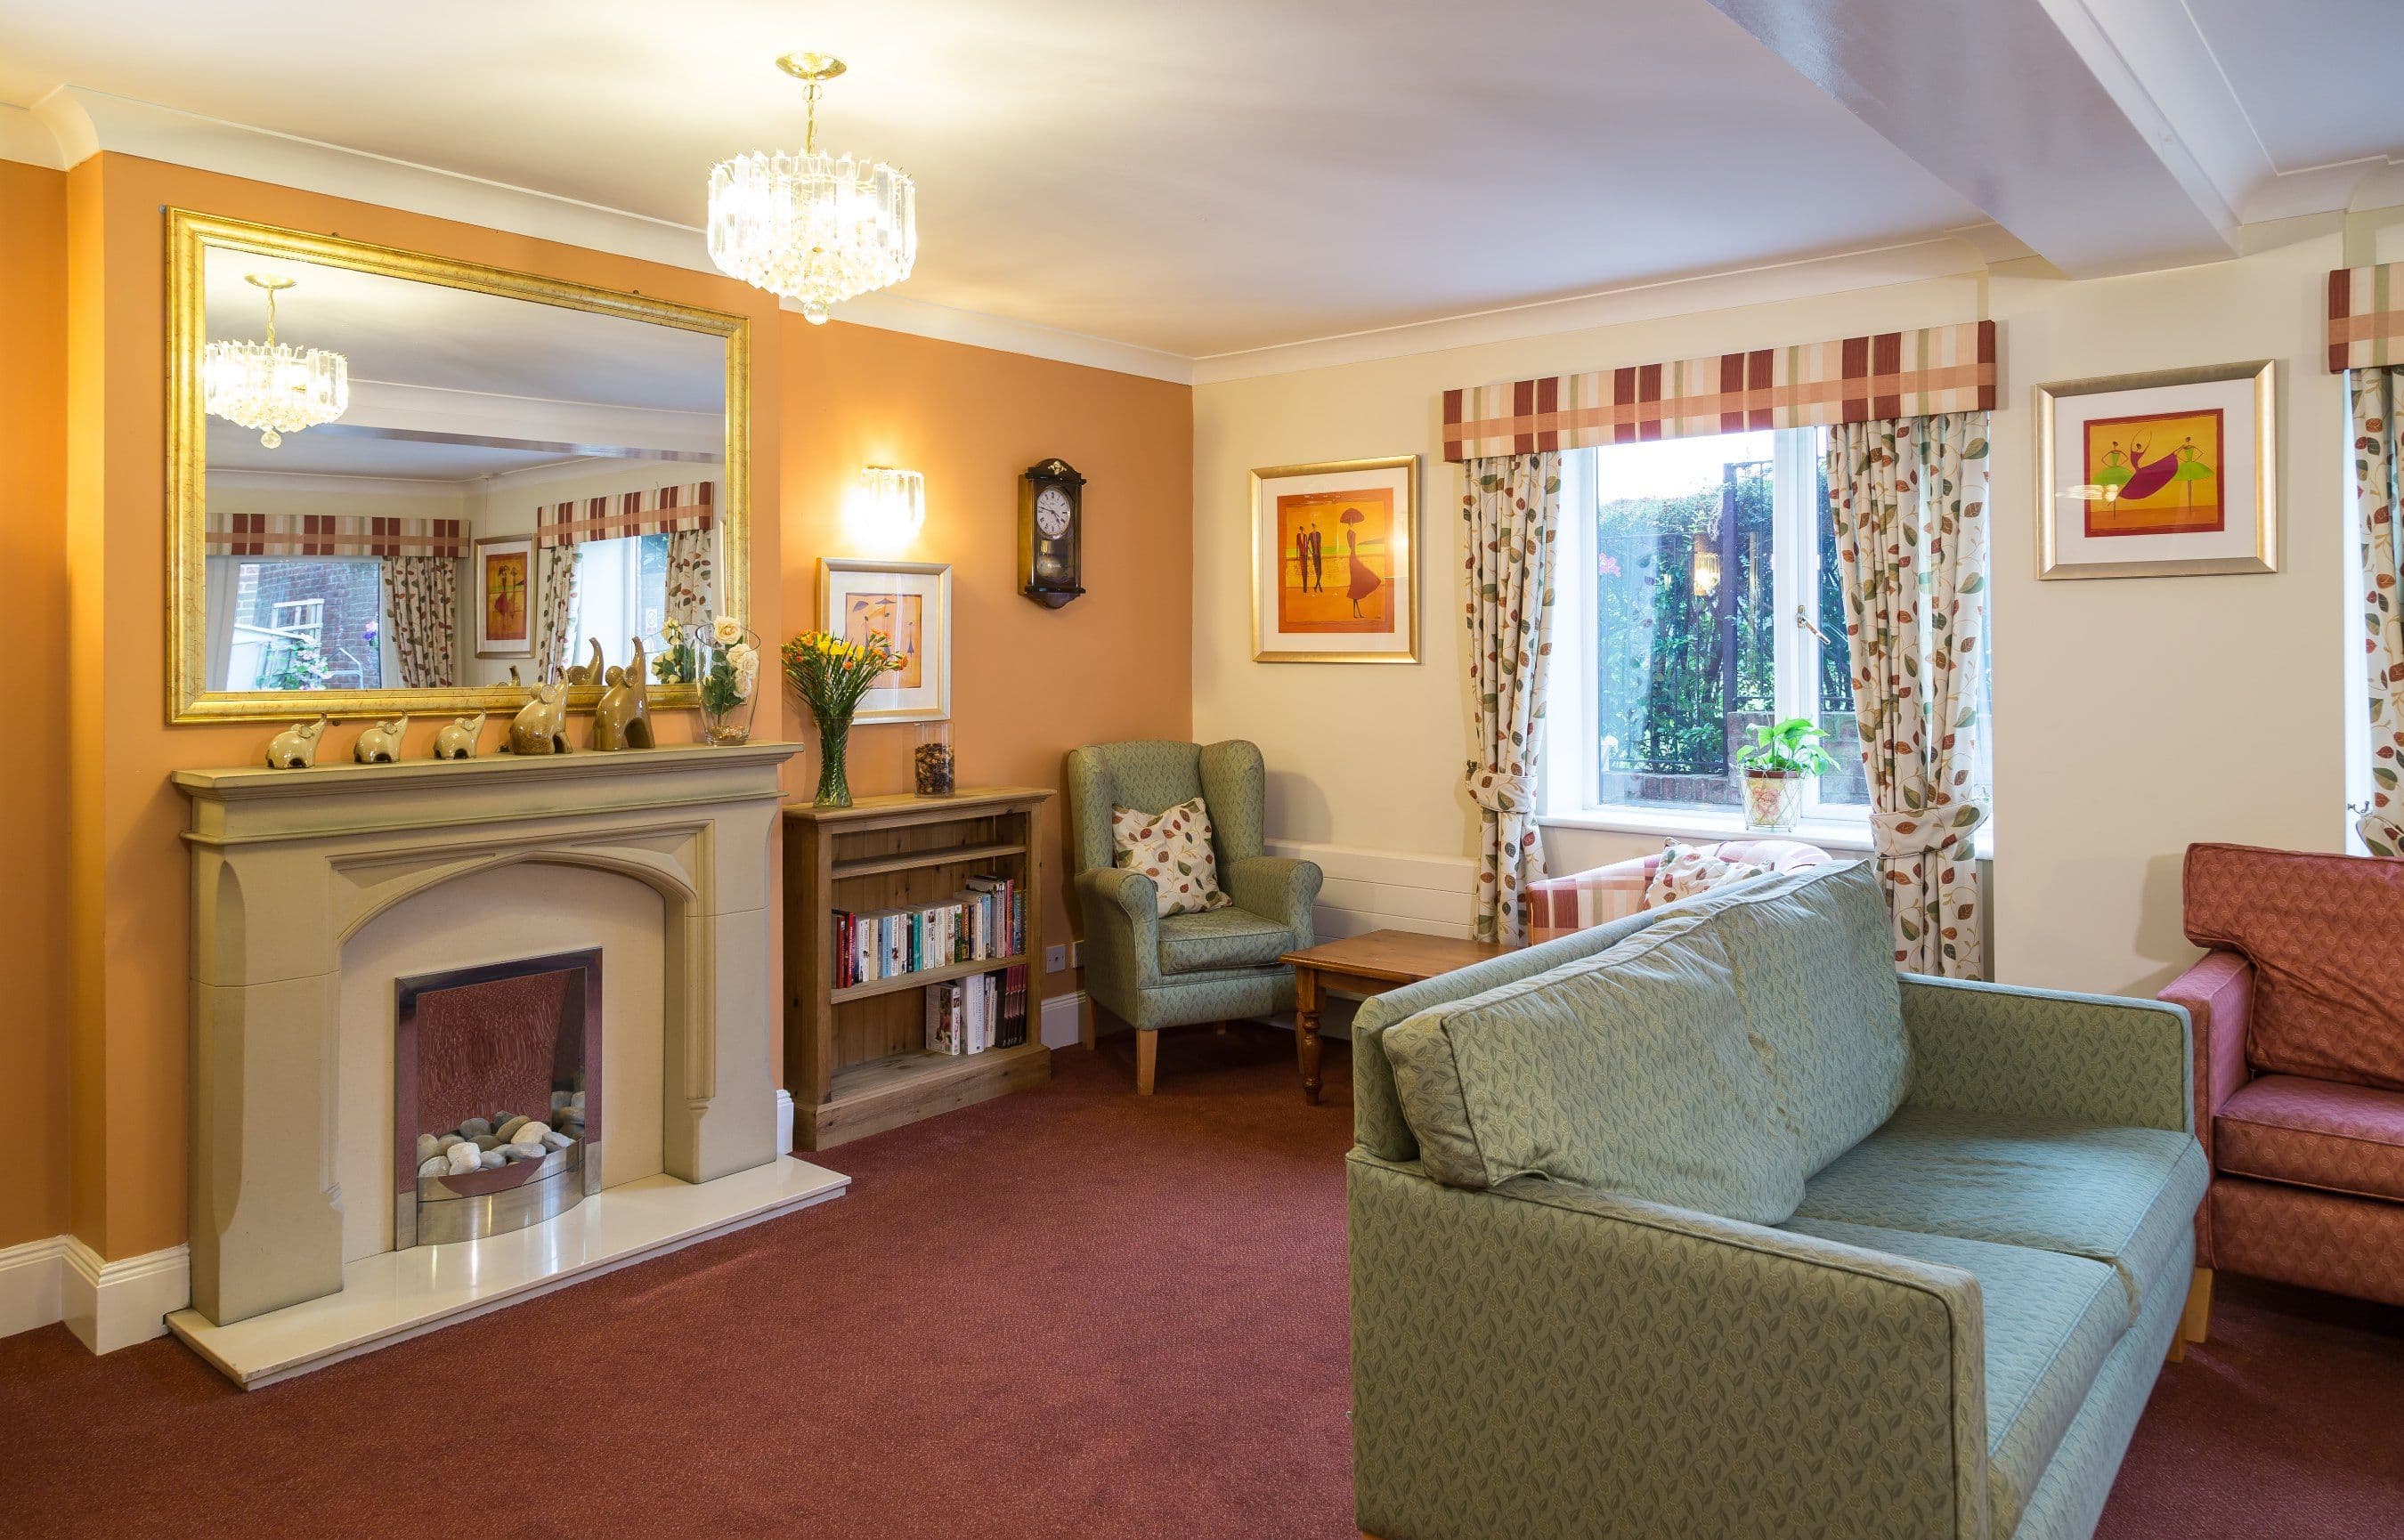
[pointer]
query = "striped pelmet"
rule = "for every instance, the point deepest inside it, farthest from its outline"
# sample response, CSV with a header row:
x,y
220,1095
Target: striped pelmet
x,y
1888,375
332,535
2366,317
660,510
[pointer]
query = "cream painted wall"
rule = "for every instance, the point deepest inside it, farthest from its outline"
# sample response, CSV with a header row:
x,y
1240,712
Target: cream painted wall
x,y
2131,716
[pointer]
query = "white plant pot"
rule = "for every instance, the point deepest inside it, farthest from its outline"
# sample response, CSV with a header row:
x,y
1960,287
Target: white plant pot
x,y
1773,800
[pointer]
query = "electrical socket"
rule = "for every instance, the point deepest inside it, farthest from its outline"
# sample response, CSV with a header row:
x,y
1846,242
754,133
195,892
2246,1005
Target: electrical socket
x,y
1076,954
1055,959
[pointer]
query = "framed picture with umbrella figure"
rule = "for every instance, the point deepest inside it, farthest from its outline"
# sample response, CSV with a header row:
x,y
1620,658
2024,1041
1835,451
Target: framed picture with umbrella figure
x,y
2168,475
1335,562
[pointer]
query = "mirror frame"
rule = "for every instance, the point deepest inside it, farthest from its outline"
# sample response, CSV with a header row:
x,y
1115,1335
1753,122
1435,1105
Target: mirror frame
x,y
189,235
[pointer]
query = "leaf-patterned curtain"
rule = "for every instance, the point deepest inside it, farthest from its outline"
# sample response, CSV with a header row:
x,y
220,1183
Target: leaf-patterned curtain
x,y
422,602
558,606
1511,506
2377,459
1908,499
691,581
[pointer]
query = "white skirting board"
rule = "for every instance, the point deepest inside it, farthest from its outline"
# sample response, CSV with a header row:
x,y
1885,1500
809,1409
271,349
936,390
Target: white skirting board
x,y
30,1279
1059,1029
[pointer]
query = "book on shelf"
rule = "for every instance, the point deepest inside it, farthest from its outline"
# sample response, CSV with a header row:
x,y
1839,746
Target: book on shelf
x,y
985,921
967,1015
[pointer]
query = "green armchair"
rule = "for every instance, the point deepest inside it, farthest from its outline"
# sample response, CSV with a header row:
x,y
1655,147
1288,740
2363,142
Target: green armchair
x,y
1152,970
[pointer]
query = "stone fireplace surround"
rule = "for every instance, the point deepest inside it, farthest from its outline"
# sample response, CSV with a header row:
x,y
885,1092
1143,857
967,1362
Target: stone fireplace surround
x,y
289,863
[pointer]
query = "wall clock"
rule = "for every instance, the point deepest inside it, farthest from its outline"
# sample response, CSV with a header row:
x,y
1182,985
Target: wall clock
x,y
1050,533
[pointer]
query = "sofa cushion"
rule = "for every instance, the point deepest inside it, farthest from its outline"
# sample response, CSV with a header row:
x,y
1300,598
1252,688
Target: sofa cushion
x,y
2314,1133
1629,1071
1220,938
1815,968
2126,1196
2321,932
2050,1320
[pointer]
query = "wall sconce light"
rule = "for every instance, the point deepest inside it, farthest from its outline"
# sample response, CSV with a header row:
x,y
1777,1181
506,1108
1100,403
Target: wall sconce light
x,y
889,507
1707,569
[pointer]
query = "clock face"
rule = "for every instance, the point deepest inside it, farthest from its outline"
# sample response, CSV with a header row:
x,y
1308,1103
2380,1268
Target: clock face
x,y
1052,512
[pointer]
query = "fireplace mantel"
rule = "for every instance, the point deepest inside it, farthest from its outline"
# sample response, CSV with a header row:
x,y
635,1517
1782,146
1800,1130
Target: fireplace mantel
x,y
287,864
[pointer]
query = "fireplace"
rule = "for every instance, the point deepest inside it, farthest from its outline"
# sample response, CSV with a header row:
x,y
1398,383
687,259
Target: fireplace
x,y
496,1097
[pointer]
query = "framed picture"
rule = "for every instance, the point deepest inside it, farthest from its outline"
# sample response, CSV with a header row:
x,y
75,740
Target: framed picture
x,y
2170,475
505,596
910,603
1335,576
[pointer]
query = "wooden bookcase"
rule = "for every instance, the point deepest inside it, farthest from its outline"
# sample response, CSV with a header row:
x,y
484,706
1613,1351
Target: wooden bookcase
x,y
854,1058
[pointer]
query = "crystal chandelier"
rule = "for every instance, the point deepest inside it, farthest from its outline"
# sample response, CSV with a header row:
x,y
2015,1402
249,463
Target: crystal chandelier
x,y
269,386
816,229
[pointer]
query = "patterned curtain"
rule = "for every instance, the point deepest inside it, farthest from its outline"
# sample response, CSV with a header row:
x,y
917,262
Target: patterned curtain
x,y
692,581
1511,505
557,586
2377,459
422,602
1910,505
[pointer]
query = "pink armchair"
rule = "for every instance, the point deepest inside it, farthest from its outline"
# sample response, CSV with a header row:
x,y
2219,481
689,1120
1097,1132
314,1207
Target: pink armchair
x,y
2298,1041
1560,904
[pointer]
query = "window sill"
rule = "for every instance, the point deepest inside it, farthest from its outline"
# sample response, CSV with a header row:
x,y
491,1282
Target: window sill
x,y
1842,836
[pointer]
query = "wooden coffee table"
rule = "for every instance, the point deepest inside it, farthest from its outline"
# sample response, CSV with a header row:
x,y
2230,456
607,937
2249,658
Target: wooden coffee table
x,y
1368,965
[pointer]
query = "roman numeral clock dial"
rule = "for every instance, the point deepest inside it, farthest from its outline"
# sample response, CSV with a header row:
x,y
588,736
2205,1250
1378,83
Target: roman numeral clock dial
x,y
1050,533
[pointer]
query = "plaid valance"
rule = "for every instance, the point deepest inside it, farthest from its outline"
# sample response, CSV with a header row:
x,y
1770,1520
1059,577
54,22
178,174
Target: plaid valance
x,y
2366,317
1853,380
662,510
332,535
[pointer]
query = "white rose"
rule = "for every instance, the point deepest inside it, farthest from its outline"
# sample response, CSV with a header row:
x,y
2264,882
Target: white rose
x,y
727,630
746,678
744,656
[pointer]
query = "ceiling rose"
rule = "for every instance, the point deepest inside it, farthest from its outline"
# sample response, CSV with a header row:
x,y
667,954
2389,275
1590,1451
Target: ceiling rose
x,y
816,229
271,386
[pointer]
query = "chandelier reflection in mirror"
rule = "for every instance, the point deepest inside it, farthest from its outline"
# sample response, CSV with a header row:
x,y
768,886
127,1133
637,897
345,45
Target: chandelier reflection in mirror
x,y
271,386
815,228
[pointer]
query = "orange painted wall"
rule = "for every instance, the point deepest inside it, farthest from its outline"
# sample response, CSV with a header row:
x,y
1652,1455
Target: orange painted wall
x,y
34,1079
1031,684
1028,684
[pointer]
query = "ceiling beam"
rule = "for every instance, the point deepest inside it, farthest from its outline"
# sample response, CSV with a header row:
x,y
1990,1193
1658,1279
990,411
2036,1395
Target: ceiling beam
x,y
2028,109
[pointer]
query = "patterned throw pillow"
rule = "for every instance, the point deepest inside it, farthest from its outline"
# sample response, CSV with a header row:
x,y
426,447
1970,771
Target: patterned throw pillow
x,y
1172,848
1686,870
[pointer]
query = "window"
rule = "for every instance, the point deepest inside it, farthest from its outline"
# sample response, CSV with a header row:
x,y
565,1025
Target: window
x,y
621,591
295,622
1712,604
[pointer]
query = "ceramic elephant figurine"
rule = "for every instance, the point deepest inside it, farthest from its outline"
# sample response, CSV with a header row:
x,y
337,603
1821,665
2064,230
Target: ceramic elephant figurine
x,y
594,673
295,746
515,683
541,725
458,740
380,744
623,720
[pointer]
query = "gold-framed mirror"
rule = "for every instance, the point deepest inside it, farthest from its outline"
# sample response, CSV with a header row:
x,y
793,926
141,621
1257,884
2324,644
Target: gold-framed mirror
x,y
442,472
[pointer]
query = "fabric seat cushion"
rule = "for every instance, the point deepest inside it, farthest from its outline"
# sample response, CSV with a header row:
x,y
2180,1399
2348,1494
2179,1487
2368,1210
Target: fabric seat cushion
x,y
2049,1319
2125,1197
1630,1071
2314,1133
1220,938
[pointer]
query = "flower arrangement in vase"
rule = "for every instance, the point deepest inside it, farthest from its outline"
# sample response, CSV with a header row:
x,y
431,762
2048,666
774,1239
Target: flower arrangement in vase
x,y
723,658
1781,758
831,675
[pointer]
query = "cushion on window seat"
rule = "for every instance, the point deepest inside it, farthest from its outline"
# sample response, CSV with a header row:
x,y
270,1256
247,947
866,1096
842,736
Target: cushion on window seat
x,y
2126,1196
1220,938
2314,1133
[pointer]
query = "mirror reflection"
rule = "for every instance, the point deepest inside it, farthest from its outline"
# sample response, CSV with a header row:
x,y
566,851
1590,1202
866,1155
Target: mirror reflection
x,y
419,487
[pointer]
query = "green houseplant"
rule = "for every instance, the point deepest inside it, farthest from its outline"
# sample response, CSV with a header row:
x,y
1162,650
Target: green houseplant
x,y
1781,758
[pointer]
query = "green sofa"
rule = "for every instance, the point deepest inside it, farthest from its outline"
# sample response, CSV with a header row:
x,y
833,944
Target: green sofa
x,y
1704,1224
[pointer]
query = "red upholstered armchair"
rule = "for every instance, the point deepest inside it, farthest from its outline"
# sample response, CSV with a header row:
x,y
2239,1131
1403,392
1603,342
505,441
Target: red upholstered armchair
x,y
2298,1029
1560,904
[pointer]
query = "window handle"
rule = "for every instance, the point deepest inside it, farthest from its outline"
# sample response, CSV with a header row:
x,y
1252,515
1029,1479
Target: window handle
x,y
1803,622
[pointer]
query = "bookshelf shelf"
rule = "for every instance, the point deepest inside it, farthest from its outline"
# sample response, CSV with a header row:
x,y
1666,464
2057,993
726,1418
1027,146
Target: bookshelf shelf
x,y
855,1055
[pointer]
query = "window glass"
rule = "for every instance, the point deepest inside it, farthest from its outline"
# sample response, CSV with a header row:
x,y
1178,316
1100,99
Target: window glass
x,y
295,623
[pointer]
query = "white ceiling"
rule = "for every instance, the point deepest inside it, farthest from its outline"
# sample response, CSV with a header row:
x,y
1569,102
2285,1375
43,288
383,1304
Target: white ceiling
x,y
1207,178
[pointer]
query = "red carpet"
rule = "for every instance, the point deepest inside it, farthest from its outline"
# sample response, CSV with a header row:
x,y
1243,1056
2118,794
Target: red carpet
x,y
1071,1312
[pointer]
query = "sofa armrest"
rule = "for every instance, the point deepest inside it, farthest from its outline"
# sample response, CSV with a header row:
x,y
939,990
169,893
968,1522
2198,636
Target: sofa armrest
x,y
2217,994
2044,1053
1528,1357
1279,888
1122,914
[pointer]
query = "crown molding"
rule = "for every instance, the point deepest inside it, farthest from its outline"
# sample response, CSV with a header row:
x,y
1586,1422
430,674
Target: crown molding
x,y
70,124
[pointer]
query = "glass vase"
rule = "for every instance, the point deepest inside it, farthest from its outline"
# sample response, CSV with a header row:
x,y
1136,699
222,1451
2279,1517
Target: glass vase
x,y
835,782
728,680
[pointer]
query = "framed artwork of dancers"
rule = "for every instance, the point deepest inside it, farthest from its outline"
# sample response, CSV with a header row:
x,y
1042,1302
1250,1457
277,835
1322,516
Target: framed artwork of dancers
x,y
2168,475
1335,562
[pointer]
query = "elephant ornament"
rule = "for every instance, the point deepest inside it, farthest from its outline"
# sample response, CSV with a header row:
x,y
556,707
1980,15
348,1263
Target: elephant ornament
x,y
623,720
458,740
380,744
295,746
594,673
541,725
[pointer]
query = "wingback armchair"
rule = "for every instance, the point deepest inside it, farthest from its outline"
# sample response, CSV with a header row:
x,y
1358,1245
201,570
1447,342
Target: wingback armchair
x,y
1152,970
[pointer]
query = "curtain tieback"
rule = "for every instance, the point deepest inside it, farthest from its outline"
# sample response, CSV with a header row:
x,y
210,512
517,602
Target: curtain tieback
x,y
1900,836
2382,834
1499,792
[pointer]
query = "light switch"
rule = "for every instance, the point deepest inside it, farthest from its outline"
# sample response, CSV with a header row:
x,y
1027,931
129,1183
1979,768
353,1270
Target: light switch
x,y
1055,959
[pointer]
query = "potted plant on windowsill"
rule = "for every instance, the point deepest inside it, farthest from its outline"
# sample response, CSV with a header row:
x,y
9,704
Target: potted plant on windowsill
x,y
1781,758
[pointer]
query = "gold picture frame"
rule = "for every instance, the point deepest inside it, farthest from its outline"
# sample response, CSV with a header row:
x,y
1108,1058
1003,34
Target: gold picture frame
x,y
2243,536
1374,618
191,235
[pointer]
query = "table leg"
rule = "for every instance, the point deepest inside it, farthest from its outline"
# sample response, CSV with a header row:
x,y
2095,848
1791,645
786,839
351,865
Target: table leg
x,y
1305,1031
